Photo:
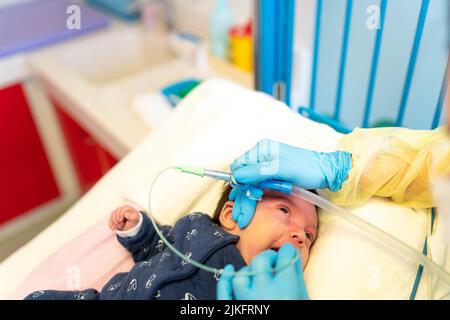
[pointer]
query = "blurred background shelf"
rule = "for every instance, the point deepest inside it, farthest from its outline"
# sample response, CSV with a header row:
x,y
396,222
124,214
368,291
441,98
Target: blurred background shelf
x,y
66,98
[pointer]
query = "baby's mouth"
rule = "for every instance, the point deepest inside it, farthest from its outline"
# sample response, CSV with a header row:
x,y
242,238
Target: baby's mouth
x,y
277,247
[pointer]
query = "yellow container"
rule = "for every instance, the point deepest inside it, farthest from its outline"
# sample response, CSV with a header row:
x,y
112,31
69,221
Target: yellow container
x,y
241,45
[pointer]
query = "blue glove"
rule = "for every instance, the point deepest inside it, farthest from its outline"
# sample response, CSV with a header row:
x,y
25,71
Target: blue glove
x,y
273,160
262,284
304,168
245,201
225,284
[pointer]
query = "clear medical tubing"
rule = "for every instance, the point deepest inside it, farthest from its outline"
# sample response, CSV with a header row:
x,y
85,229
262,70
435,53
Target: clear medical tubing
x,y
186,257
388,239
374,231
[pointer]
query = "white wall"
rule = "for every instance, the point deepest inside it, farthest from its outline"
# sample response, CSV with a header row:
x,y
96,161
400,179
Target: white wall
x,y
303,44
193,15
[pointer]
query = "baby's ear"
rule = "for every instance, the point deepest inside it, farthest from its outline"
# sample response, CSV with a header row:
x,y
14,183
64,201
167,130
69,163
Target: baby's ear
x,y
226,216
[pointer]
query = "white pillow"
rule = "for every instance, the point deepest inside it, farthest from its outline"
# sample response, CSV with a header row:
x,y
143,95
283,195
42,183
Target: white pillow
x,y
218,122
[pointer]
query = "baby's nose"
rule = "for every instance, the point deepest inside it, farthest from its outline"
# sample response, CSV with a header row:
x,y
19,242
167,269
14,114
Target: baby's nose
x,y
298,238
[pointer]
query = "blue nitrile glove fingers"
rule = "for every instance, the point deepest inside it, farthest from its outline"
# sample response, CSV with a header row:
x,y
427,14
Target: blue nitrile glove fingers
x,y
262,265
224,286
233,194
244,207
288,272
257,281
305,168
272,160
258,164
242,284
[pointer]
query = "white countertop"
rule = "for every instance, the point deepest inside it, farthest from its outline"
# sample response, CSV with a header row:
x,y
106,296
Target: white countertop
x,y
99,93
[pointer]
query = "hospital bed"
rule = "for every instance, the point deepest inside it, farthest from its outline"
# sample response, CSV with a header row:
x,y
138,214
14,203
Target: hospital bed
x,y
78,250
216,123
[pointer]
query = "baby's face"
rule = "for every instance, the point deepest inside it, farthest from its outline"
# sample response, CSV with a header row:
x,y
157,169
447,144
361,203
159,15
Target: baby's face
x,y
278,219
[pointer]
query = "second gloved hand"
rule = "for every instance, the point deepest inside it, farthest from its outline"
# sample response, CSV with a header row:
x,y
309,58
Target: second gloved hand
x,y
258,282
305,168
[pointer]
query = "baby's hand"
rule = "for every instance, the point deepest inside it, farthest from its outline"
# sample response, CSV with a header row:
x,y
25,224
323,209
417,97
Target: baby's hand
x,y
124,218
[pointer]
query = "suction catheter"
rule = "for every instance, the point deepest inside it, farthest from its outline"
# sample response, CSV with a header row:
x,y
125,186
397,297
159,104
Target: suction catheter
x,y
276,185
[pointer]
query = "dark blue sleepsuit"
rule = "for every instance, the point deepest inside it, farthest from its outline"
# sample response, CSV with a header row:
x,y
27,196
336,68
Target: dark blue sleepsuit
x,y
158,272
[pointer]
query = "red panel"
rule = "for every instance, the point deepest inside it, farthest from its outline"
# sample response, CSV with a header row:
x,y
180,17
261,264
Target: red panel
x,y
26,179
91,160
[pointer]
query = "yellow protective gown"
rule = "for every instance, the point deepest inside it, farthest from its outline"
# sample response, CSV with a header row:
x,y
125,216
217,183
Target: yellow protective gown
x,y
398,163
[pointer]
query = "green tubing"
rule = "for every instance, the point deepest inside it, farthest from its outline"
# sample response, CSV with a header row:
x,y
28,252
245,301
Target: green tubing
x,y
192,170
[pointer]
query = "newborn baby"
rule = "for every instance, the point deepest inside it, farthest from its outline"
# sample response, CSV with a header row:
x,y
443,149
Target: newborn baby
x,y
161,274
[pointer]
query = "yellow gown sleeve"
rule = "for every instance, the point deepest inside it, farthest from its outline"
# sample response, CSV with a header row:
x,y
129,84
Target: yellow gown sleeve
x,y
398,163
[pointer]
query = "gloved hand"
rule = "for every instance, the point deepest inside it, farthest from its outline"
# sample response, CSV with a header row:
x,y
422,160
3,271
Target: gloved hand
x,y
286,284
273,160
306,169
244,207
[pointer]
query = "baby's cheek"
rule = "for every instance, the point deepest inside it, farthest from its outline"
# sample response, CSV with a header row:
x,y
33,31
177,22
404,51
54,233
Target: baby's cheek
x,y
278,229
